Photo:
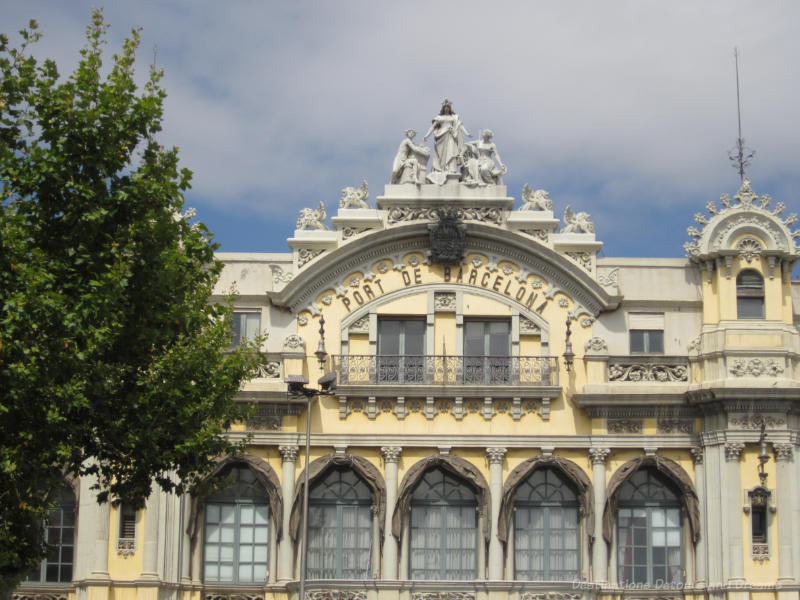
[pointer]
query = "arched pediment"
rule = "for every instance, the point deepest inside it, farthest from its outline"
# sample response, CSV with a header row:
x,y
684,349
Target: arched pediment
x,y
524,261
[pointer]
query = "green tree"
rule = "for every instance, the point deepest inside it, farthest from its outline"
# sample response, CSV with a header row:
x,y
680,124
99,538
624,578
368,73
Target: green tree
x,y
114,363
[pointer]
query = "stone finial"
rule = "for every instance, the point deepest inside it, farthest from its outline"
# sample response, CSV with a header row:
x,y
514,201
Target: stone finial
x,y
391,454
783,451
313,218
599,455
579,222
288,453
496,455
354,198
733,451
697,455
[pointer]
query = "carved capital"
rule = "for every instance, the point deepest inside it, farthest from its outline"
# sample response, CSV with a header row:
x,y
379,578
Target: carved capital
x,y
783,451
697,455
496,455
288,453
599,455
391,454
733,451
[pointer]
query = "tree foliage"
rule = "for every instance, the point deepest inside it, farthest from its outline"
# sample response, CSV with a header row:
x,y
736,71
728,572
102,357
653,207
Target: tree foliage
x,y
114,364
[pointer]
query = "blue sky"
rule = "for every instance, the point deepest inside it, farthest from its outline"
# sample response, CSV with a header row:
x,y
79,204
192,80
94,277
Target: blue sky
x,y
623,109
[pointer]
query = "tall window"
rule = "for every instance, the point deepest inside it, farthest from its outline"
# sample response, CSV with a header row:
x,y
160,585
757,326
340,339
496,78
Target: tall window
x,y
339,527
246,326
546,529
649,530
401,346
443,528
750,295
487,347
59,535
237,530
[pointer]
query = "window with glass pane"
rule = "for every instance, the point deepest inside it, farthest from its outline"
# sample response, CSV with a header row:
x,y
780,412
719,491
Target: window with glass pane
x,y
246,326
339,527
237,531
649,531
647,341
401,349
546,529
127,522
59,532
750,295
487,350
443,543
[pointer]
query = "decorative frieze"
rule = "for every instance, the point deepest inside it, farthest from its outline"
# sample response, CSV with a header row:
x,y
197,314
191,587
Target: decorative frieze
x,y
442,596
39,596
126,546
360,326
598,456
305,255
584,259
431,407
403,214
550,596
336,595
624,426
753,421
755,367
496,455
269,370
661,372
733,451
760,552
675,426
444,301
528,327
236,596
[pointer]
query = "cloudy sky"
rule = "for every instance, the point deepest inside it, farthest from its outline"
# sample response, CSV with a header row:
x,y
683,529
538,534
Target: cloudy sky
x,y
626,110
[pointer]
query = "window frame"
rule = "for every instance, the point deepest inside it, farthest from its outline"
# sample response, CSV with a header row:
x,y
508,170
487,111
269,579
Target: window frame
x,y
237,336
401,367
487,366
66,505
749,296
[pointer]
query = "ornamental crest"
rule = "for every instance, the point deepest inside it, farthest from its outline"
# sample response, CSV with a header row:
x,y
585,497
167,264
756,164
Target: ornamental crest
x,y
448,239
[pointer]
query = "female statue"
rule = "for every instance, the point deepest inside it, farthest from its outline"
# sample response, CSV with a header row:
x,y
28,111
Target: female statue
x,y
410,161
479,161
447,132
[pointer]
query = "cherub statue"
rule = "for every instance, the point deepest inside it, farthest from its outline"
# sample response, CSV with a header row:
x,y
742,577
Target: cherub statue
x,y
312,219
535,200
354,198
577,222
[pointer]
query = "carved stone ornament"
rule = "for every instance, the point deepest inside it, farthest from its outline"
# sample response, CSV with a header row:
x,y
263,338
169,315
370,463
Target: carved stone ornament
x,y
444,302
647,372
695,345
305,255
754,421
549,596
755,367
442,596
675,426
288,453
760,552
235,596
39,596
579,222
584,259
126,546
535,200
361,325
294,343
733,451
400,214
610,280
697,455
349,232
783,451
279,275
624,426
749,248
313,218
496,455
528,327
596,344
302,320
448,239
354,198
267,417
336,595
391,454
598,456
269,370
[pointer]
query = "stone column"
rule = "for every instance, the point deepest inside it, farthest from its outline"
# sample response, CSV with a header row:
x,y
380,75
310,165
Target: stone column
x,y
100,517
150,536
599,547
700,577
285,551
496,457
732,507
391,456
785,500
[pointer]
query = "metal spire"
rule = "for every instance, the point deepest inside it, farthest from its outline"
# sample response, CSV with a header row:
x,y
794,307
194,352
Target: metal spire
x,y
740,155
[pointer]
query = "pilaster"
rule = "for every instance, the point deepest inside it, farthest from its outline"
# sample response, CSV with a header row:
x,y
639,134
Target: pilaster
x,y
598,457
733,512
285,550
391,457
152,526
496,456
701,567
784,457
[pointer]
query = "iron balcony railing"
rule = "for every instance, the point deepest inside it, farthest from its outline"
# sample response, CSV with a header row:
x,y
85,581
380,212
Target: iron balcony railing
x,y
361,369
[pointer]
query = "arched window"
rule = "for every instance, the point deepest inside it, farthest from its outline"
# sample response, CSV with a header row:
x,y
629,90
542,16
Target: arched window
x,y
546,529
443,541
649,530
59,532
750,295
237,530
339,526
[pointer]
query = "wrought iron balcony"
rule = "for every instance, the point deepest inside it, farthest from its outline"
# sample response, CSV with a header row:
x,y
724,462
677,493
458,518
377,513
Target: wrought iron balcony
x,y
359,369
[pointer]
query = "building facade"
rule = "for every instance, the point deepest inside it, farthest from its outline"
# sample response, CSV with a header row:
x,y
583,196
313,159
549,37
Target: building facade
x,y
511,418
